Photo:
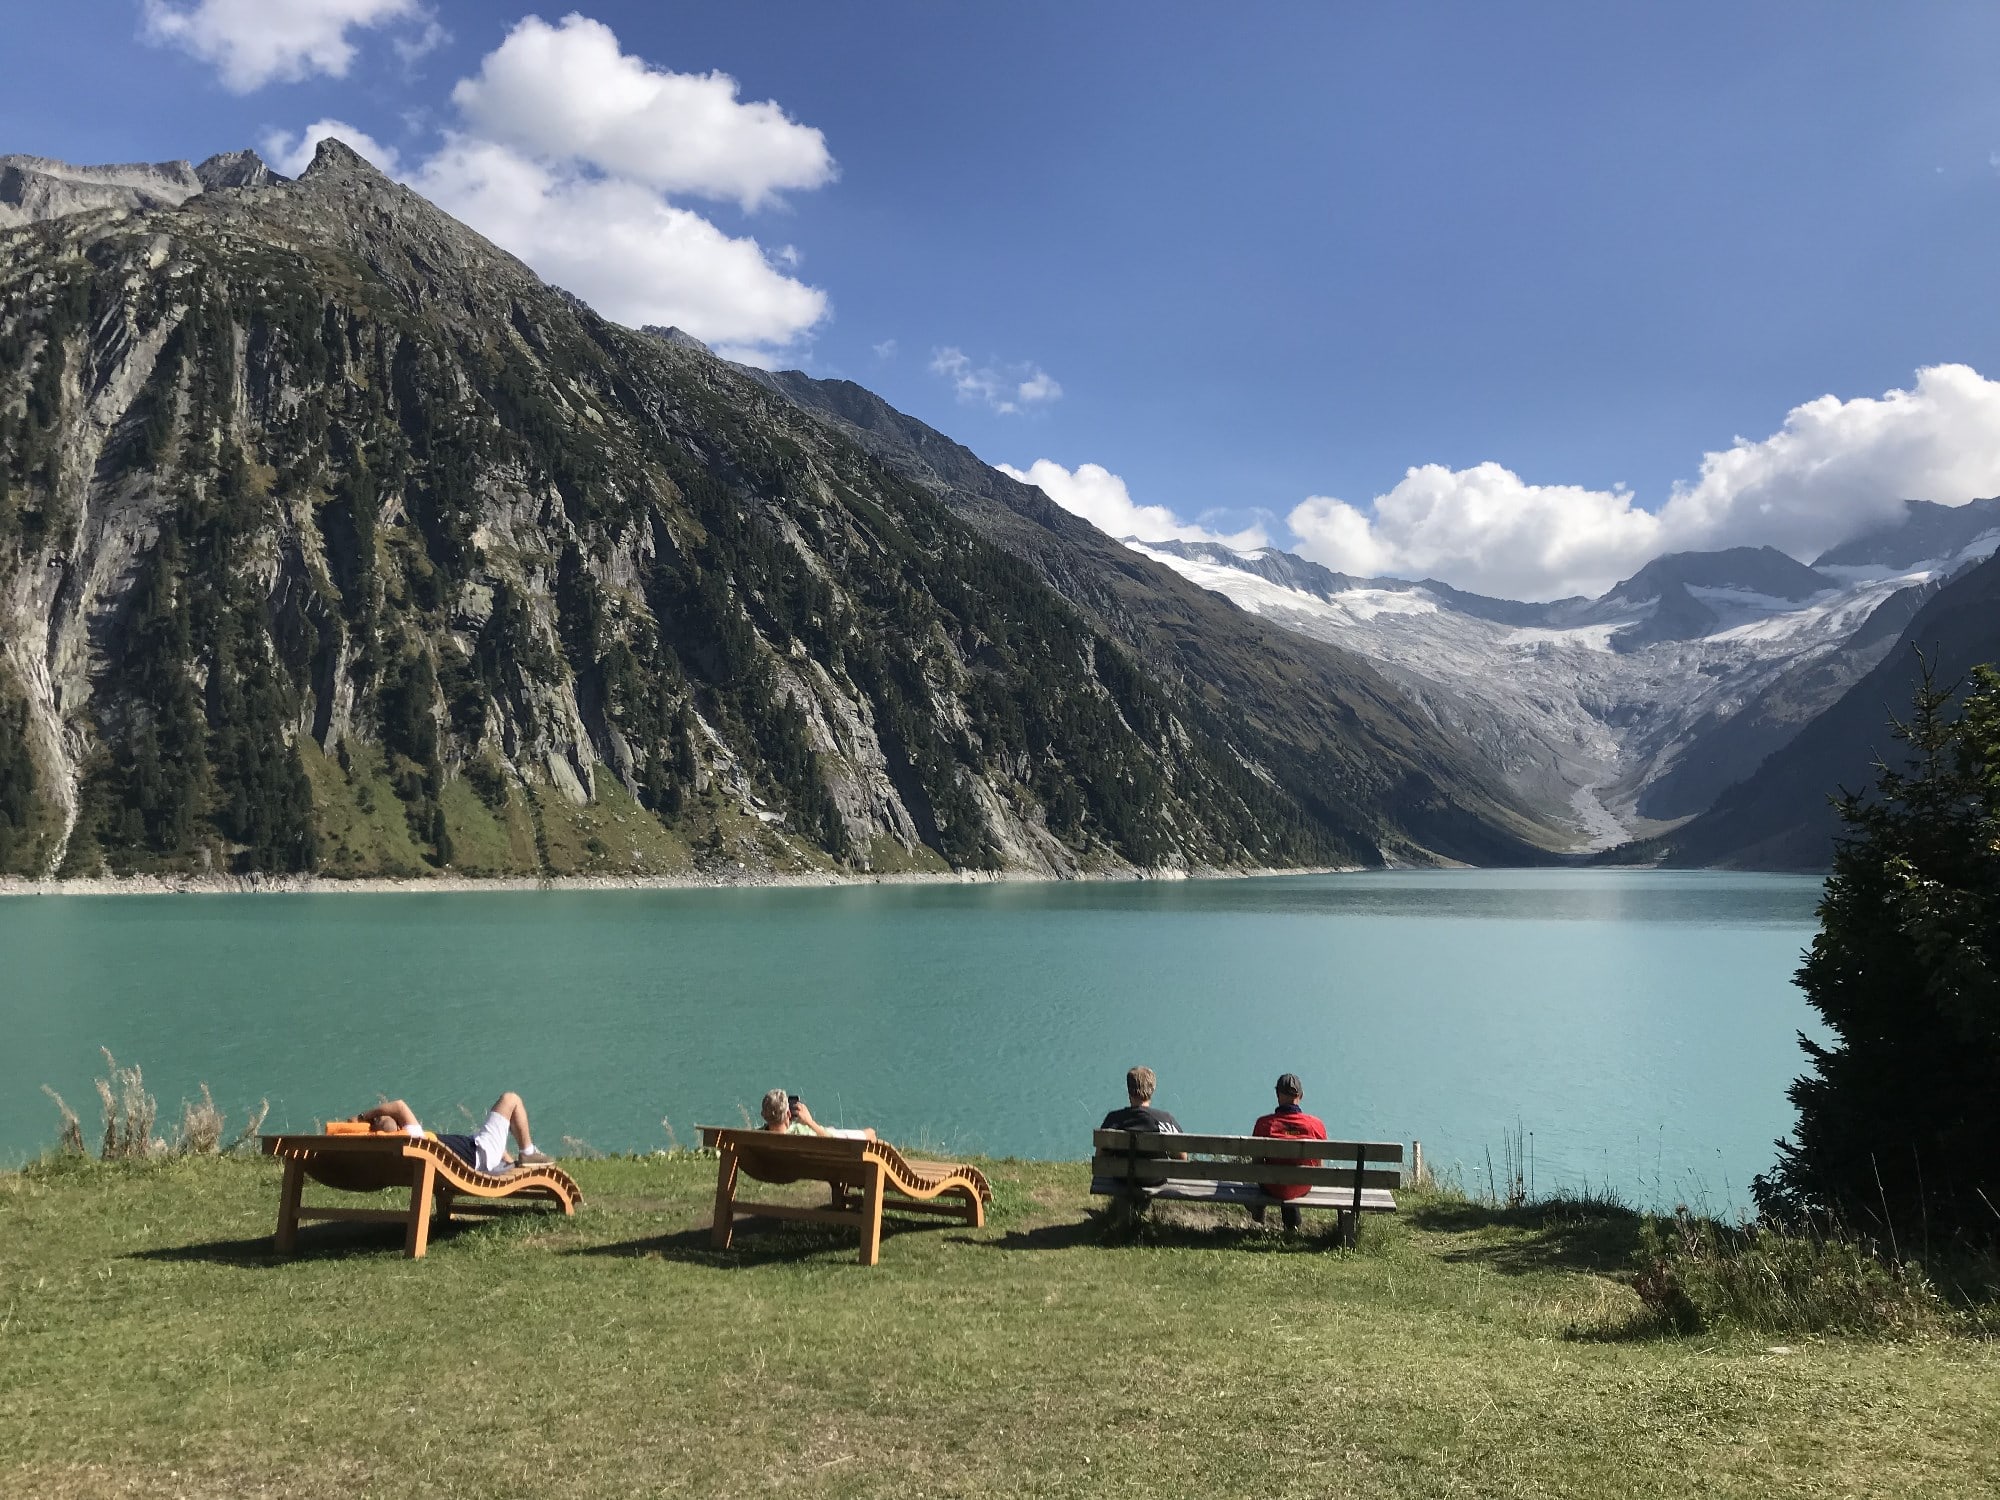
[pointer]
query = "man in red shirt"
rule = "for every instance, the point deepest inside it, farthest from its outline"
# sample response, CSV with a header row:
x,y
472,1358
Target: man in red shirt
x,y
1288,1122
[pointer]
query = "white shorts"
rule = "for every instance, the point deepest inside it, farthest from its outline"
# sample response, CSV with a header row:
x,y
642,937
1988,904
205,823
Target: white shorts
x,y
489,1142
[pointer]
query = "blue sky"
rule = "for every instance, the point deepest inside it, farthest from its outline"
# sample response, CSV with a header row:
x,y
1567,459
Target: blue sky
x,y
1255,263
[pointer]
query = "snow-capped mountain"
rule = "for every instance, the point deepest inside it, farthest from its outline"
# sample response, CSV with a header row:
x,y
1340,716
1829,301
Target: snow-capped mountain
x,y
1631,711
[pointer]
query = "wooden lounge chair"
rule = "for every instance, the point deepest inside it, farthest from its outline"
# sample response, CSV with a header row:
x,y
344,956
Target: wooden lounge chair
x,y
867,1177
367,1162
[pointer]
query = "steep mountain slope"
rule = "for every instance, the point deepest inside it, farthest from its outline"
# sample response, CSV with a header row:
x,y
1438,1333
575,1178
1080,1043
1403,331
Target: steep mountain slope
x,y
1628,710
1329,718
1780,818
331,538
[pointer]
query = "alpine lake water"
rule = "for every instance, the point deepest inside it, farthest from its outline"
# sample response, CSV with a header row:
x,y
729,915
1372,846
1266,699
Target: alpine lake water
x,y
1637,1028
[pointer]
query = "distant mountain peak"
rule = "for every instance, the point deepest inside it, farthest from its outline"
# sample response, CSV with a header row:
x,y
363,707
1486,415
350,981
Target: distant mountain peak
x,y
1923,532
236,169
334,159
1750,570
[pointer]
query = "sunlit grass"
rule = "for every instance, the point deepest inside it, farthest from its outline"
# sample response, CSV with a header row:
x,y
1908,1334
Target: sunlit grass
x,y
152,1346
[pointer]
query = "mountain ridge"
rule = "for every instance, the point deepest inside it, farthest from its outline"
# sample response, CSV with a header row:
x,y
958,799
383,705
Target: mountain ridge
x,y
331,538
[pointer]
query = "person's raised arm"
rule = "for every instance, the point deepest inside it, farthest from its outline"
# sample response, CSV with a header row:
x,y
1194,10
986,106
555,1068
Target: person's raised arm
x,y
394,1115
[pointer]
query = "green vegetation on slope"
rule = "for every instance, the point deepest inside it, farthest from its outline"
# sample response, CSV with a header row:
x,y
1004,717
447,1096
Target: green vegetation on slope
x,y
153,1347
315,463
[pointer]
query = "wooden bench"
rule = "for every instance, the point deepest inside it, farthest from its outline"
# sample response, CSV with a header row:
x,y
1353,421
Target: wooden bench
x,y
1136,1167
369,1162
867,1177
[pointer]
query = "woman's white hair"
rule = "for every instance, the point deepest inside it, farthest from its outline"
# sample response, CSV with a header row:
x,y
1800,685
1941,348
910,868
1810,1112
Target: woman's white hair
x,y
777,1104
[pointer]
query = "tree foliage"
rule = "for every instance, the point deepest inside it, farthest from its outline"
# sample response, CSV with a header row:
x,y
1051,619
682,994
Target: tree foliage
x,y
1899,1116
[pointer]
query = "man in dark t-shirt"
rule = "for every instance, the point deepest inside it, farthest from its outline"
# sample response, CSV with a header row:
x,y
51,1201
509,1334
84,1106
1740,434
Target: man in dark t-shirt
x,y
1138,1113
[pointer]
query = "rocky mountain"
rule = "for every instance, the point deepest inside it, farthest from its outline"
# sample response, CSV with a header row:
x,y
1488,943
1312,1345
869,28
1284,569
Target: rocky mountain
x,y
34,188
1327,717
1633,710
332,539
1779,817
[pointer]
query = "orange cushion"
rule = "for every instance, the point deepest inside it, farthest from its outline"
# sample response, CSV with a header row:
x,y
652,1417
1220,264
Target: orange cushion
x,y
349,1127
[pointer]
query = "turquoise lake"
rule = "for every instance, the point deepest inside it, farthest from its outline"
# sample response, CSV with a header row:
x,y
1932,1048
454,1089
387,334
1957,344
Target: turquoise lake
x,y
1640,1025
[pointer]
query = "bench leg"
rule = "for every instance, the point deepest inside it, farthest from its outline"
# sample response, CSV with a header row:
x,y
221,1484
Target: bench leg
x,y
975,1210
871,1216
418,1237
1350,1228
286,1240
441,1213
725,1200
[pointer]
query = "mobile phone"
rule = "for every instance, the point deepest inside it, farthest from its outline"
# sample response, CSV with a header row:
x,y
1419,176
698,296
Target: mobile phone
x,y
794,1102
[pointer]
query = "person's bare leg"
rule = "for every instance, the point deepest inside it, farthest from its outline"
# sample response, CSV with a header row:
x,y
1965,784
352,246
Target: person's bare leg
x,y
510,1105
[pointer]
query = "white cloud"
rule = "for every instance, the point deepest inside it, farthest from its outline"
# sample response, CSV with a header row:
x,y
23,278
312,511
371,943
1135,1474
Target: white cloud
x,y
553,167
1483,528
1834,468
568,93
293,154
255,42
884,350
1101,498
1005,388
415,48
621,247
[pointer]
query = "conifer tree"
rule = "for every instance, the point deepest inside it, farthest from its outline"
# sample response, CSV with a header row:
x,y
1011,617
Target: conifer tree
x,y
1899,1114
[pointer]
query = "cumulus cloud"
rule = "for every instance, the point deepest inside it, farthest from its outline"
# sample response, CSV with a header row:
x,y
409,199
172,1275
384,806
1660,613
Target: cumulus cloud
x,y
568,93
554,161
292,154
255,42
1101,498
1830,472
621,247
1007,389
1486,529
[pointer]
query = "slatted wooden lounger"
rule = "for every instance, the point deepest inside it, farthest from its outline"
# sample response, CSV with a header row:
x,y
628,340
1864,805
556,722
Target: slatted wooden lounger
x,y
433,1172
867,1177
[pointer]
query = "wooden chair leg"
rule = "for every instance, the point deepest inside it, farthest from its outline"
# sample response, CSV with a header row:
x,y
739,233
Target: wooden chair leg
x,y
1350,1228
441,1212
975,1210
725,1200
871,1215
418,1238
286,1240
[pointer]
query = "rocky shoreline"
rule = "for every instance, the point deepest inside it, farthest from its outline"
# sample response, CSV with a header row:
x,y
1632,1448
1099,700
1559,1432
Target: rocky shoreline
x,y
313,885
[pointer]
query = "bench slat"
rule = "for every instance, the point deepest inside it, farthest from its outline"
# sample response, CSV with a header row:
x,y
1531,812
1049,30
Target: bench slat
x,y
1146,1169
1246,1145
1373,1200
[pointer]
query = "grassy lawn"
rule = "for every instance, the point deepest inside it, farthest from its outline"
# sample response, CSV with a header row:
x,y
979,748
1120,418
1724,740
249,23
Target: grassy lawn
x,y
150,1345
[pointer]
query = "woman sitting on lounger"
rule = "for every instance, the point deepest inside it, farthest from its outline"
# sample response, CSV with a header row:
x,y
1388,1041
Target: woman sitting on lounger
x,y
483,1151
786,1114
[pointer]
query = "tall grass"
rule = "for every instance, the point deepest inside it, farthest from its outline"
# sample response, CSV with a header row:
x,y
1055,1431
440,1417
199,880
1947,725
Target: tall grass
x,y
130,1113
1697,1274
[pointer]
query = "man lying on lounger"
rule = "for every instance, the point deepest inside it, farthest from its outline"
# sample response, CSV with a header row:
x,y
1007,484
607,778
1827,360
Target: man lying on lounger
x,y
486,1149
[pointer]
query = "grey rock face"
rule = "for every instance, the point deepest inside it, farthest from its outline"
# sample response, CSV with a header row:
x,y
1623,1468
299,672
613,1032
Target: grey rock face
x,y
331,537
36,188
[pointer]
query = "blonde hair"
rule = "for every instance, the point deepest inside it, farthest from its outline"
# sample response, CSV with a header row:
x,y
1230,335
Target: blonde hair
x,y
1140,1083
777,1105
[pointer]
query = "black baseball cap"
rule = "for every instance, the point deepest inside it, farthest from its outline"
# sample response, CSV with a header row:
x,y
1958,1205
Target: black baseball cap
x,y
1288,1083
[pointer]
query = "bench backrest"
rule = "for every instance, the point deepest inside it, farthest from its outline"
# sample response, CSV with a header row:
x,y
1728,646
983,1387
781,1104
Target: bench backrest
x,y
1141,1157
